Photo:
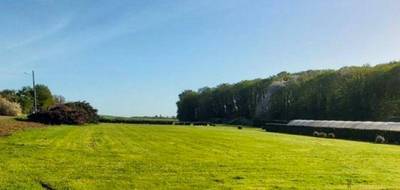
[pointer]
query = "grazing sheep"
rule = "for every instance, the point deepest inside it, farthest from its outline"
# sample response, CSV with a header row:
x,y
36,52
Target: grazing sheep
x,y
331,135
380,139
323,134
316,134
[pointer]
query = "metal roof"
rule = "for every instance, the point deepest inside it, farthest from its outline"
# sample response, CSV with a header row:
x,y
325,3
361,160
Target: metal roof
x,y
364,125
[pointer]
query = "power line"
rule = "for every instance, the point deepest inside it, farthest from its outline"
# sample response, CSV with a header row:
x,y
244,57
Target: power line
x,y
10,73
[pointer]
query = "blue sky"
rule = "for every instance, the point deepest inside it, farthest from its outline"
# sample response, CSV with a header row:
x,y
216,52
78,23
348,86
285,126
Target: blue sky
x,y
135,57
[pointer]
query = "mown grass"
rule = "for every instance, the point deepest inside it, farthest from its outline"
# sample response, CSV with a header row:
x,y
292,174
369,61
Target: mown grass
x,y
117,156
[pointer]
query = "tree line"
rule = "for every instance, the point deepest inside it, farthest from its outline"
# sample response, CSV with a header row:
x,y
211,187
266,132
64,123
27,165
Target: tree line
x,y
51,109
25,98
350,93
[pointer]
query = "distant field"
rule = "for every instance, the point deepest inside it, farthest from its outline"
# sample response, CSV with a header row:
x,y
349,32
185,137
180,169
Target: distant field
x,y
138,118
122,156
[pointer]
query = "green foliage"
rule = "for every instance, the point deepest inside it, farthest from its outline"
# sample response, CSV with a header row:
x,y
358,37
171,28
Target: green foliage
x,y
44,97
114,156
187,106
350,93
8,108
25,98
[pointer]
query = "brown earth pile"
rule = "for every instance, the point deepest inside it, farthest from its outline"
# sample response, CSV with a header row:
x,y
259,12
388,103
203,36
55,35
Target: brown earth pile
x,y
8,125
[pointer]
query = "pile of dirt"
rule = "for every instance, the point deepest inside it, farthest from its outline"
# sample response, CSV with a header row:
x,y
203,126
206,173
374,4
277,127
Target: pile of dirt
x,y
8,125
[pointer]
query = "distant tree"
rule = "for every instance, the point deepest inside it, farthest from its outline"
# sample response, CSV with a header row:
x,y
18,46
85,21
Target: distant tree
x,y
187,106
44,97
58,99
350,93
25,99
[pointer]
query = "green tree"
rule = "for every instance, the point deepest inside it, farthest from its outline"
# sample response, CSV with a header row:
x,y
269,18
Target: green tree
x,y
350,93
44,97
187,106
25,99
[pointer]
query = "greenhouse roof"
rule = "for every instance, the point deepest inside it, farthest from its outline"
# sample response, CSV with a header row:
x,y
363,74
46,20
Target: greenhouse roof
x,y
362,125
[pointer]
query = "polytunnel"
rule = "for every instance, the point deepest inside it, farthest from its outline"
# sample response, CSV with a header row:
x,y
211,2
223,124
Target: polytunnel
x,y
383,132
362,125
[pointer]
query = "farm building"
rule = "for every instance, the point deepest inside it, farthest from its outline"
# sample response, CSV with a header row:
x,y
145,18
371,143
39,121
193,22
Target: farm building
x,y
383,132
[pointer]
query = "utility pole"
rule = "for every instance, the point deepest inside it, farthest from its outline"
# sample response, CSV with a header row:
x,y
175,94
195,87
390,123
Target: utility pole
x,y
34,93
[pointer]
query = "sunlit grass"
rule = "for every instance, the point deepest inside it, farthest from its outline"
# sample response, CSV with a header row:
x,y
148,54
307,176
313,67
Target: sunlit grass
x,y
113,156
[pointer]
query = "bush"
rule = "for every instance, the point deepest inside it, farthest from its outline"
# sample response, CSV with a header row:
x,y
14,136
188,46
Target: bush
x,y
331,135
9,108
74,113
89,113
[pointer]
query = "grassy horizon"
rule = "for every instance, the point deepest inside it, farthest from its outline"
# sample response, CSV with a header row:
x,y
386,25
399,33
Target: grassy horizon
x,y
126,156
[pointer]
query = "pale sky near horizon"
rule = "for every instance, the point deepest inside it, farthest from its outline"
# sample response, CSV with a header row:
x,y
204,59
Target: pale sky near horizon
x,y
130,57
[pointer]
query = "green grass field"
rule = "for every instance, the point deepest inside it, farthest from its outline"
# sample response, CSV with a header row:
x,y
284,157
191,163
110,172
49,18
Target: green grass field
x,y
116,156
